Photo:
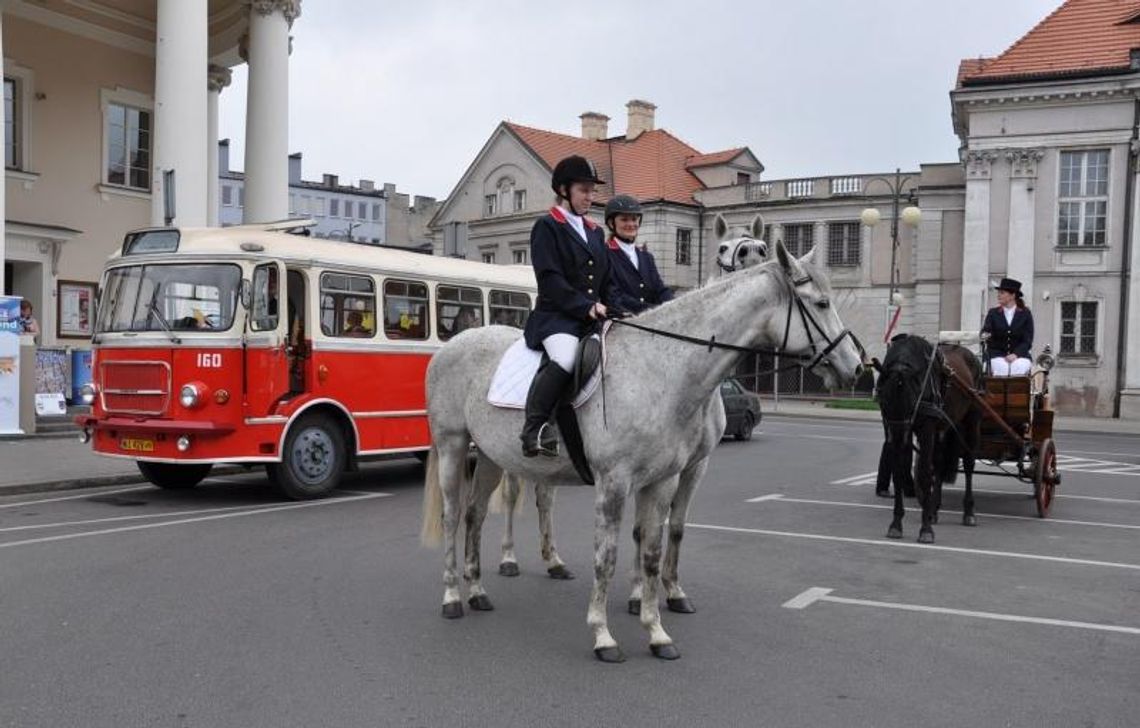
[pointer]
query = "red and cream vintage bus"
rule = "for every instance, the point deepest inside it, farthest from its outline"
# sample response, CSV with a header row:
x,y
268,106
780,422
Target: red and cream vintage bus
x,y
253,345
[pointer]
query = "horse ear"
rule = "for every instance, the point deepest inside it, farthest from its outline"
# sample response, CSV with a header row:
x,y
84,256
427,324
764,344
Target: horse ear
x,y
788,261
720,227
758,227
809,257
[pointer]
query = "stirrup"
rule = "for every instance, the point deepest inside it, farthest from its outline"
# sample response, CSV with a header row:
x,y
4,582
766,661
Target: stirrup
x,y
545,443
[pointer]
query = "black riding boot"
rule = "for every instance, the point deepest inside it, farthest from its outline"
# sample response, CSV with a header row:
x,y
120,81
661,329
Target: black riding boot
x,y
545,391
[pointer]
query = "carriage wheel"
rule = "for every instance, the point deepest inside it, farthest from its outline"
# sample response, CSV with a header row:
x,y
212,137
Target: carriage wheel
x,y
1046,477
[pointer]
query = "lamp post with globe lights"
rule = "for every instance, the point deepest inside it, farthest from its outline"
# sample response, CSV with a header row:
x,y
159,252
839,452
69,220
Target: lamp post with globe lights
x,y
909,216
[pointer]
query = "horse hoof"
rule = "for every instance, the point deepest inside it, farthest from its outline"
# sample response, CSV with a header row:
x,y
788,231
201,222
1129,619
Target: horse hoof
x,y
635,607
609,654
508,568
883,492
969,520
680,605
665,652
560,572
926,537
894,532
452,610
481,603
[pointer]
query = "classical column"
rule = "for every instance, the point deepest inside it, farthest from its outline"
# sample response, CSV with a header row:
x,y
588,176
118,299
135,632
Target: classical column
x,y
1130,395
976,243
1022,209
4,182
267,110
218,77
180,110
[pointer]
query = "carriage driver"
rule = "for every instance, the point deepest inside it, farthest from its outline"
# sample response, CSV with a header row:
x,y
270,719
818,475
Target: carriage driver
x,y
1010,326
633,267
571,267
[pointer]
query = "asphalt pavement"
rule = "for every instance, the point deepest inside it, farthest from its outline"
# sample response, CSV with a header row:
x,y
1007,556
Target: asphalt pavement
x,y
226,606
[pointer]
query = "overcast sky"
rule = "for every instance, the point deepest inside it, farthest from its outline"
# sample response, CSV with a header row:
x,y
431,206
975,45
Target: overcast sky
x,y
408,91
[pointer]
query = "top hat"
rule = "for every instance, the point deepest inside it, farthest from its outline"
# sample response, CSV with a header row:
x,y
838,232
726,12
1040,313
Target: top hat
x,y
1010,285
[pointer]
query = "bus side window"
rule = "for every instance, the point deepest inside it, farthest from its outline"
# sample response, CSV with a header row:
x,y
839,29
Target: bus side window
x,y
510,308
266,297
457,309
406,314
348,305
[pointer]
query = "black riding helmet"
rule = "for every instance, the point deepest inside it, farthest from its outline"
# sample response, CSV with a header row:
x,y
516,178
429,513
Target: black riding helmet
x,y
573,169
621,205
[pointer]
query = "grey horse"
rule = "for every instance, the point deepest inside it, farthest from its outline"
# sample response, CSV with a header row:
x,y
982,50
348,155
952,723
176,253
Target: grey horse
x,y
659,389
734,253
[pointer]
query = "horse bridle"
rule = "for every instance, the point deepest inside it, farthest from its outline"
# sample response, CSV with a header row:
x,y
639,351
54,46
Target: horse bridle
x,y
809,322
735,250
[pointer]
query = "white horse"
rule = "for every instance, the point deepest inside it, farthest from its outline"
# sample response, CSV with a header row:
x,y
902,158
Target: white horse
x,y
735,253
658,390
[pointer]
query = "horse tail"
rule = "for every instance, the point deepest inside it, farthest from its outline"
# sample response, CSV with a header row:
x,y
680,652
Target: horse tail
x,y
950,453
431,531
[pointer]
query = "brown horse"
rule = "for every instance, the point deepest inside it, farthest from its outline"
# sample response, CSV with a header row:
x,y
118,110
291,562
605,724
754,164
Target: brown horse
x,y
917,401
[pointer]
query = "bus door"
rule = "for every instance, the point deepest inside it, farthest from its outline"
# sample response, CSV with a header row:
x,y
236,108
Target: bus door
x,y
299,332
266,341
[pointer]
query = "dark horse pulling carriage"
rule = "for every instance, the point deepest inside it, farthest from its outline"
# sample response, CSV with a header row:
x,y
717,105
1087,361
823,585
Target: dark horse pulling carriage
x,y
943,400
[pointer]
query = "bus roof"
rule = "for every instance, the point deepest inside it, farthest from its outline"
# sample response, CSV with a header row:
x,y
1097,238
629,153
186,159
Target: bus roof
x,y
245,241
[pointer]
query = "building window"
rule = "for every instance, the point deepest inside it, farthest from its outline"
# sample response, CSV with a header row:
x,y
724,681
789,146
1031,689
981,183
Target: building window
x,y
844,246
306,205
490,205
1078,328
457,309
319,206
376,212
684,246
362,210
241,196
334,207
743,178
348,306
405,310
488,257
520,200
510,308
128,146
799,239
1083,199
227,195
11,126
767,234
518,257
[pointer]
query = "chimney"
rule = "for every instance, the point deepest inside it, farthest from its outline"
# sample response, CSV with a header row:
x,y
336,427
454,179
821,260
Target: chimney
x,y
224,156
295,168
367,185
594,126
331,180
640,118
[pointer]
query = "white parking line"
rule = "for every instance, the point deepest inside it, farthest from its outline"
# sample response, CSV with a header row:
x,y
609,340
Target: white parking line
x,y
819,594
886,543
781,498
216,517
861,479
88,494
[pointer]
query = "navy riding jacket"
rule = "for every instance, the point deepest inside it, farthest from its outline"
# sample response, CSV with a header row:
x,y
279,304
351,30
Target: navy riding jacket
x,y
572,274
1005,339
641,287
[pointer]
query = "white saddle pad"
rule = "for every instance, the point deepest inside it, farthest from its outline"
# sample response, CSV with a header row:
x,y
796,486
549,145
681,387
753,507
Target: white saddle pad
x,y
516,370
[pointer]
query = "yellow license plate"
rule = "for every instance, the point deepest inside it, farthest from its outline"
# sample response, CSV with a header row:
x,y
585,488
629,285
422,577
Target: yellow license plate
x,y
136,444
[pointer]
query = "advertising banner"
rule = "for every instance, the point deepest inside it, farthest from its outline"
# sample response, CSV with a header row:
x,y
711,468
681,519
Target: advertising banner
x,y
9,364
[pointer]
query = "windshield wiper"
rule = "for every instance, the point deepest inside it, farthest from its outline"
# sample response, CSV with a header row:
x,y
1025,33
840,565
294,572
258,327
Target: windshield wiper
x,y
162,321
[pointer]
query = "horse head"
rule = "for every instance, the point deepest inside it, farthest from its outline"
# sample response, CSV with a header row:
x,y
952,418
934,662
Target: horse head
x,y
740,249
906,371
812,327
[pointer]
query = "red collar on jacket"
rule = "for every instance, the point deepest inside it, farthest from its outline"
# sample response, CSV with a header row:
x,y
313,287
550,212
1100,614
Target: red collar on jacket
x,y
560,215
612,244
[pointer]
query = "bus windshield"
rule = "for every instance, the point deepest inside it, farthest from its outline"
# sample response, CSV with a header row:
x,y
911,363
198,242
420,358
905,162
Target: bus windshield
x,y
169,298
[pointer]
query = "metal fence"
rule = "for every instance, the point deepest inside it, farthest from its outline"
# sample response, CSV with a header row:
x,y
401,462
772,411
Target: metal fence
x,y
755,373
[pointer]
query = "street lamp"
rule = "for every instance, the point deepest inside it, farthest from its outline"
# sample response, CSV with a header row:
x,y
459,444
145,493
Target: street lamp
x,y
910,216
347,234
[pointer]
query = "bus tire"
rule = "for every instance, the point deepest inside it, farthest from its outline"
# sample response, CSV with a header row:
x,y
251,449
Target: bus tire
x,y
173,476
313,459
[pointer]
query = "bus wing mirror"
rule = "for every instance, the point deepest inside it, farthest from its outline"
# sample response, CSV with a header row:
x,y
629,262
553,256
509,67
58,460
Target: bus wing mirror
x,y
246,292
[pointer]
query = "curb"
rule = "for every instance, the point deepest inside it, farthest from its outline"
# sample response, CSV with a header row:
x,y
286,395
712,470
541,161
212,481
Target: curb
x,y
98,481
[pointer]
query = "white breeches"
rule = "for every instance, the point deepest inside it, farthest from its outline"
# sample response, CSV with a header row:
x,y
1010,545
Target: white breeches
x,y
1019,367
562,350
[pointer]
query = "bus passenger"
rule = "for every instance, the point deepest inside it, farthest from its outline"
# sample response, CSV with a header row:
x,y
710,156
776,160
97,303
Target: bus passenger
x,y
571,266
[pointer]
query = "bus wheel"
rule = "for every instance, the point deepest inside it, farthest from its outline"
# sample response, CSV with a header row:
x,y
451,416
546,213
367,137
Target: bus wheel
x,y
313,459
173,476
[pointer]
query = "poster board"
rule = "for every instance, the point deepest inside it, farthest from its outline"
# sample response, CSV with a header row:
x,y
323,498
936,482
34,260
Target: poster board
x,y
76,310
9,364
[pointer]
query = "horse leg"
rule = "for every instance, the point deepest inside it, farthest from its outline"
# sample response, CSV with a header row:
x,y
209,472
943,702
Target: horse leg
x,y
675,598
652,507
486,479
635,576
544,501
925,482
452,464
898,443
968,517
509,563
608,506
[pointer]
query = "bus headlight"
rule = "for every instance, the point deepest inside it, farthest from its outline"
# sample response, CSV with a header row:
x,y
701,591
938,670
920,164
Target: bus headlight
x,y
87,394
183,443
190,396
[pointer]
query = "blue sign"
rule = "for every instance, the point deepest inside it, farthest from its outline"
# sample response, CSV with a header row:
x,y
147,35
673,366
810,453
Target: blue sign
x,y
9,364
